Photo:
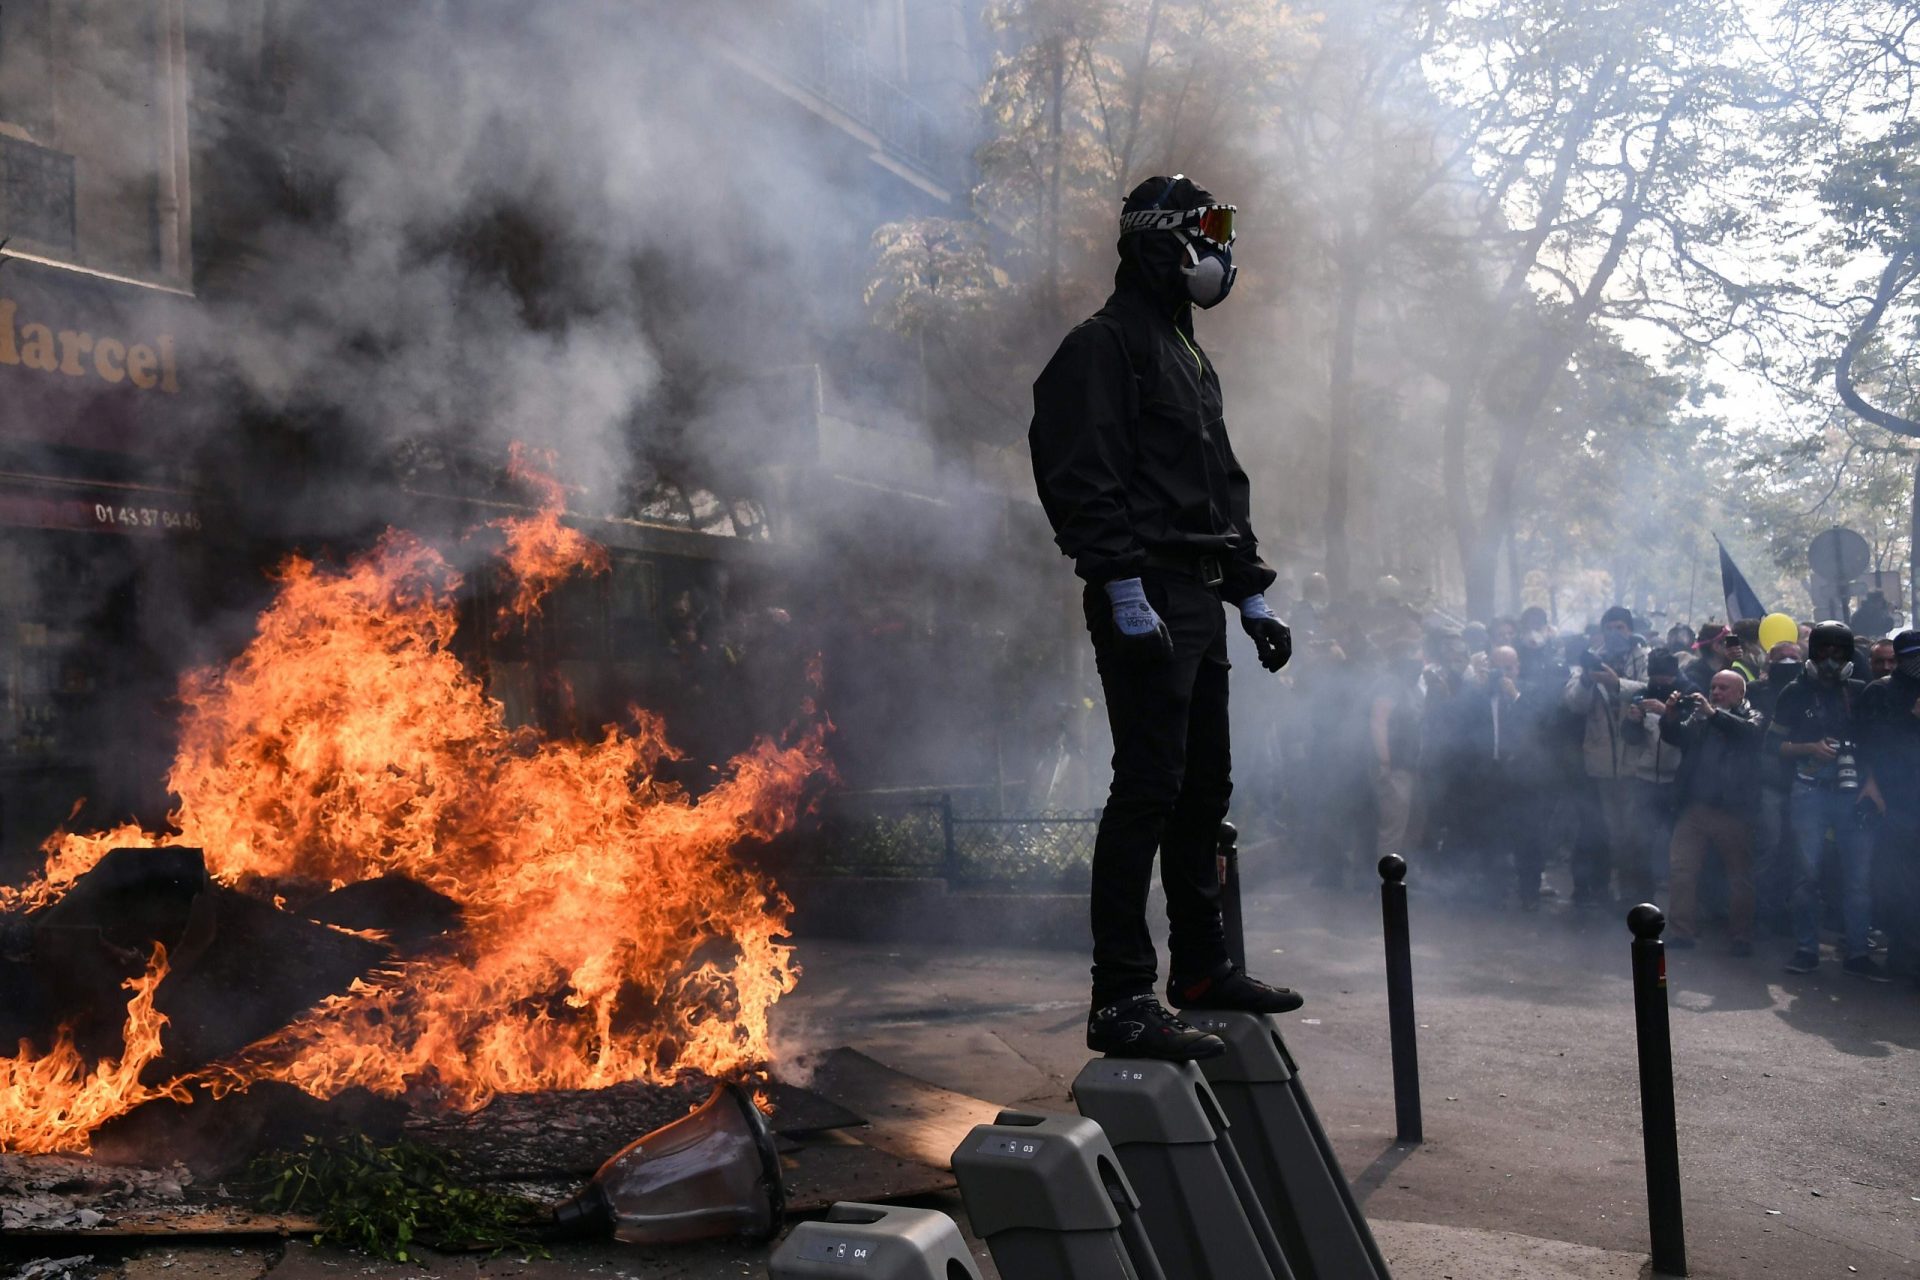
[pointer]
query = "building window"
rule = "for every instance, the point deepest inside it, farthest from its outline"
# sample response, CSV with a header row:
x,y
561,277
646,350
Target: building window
x,y
92,135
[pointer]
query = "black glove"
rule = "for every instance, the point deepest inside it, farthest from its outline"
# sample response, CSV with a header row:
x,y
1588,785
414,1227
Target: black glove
x,y
1270,635
1141,635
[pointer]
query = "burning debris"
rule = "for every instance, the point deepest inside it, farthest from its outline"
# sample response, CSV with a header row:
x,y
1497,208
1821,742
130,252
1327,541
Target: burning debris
x,y
477,908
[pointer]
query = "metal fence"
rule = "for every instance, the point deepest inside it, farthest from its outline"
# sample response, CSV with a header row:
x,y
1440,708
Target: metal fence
x,y
949,835
36,194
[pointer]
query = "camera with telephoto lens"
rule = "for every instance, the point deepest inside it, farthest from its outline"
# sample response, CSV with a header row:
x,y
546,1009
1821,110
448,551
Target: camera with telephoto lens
x,y
1846,767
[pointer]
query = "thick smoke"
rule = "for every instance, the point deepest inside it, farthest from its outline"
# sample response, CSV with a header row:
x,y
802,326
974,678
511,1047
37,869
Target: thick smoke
x,y
544,223
427,231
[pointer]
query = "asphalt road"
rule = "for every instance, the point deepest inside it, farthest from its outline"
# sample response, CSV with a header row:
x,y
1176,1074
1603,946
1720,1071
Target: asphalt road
x,y
1798,1097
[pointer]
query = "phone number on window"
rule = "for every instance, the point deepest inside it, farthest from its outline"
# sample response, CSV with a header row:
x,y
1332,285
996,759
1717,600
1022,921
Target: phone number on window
x,y
145,517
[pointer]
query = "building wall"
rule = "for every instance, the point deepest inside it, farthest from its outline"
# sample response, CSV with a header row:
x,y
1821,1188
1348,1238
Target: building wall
x,y
91,132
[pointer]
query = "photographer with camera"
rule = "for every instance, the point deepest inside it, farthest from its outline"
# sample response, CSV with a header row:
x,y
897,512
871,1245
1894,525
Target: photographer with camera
x,y
1719,736
1608,679
1815,726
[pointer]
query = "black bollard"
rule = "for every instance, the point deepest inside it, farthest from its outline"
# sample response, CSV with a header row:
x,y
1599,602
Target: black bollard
x,y
1227,858
1657,1124
1406,1056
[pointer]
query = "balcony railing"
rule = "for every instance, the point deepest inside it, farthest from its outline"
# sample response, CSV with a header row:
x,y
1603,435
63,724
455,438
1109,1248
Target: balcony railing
x,y
826,56
36,194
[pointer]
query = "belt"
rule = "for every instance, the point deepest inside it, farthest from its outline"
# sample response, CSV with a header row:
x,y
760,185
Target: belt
x,y
1202,569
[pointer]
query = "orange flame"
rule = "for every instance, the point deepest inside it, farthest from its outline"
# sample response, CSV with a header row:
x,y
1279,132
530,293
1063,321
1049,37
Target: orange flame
x,y
609,933
543,551
51,1103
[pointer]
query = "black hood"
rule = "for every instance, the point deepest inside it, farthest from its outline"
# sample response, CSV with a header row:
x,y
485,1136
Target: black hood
x,y
1150,265
1150,260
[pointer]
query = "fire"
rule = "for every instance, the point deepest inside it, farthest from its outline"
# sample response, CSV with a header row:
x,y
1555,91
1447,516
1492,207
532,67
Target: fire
x,y
51,1103
609,934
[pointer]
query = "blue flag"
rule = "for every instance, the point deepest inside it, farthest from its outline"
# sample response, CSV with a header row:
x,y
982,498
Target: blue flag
x,y
1741,600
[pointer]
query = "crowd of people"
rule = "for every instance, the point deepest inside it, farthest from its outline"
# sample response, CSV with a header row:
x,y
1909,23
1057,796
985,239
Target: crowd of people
x,y
1760,795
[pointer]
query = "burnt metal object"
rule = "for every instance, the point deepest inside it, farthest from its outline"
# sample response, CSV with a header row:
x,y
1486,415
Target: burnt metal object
x,y
711,1174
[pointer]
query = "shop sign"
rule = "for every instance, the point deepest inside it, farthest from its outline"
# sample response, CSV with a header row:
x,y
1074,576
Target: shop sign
x,y
89,363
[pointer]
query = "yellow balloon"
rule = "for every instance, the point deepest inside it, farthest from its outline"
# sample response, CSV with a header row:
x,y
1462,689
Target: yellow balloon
x,y
1776,627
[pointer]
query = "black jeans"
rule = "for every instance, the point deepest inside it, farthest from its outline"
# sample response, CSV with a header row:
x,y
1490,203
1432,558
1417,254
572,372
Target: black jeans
x,y
1896,872
1172,777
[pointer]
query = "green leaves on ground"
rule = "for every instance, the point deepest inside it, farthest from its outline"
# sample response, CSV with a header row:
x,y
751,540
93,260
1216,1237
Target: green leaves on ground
x,y
386,1201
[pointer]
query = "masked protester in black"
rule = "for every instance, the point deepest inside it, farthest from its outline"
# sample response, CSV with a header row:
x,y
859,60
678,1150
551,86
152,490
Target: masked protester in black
x,y
1890,733
1816,723
1131,457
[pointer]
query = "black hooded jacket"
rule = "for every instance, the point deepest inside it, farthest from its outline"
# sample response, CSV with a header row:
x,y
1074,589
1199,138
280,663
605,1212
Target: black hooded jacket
x,y
1890,733
1130,447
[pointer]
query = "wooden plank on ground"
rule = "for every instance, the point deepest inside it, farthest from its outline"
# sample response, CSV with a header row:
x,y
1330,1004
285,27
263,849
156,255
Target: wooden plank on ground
x,y
177,1223
906,1116
833,1166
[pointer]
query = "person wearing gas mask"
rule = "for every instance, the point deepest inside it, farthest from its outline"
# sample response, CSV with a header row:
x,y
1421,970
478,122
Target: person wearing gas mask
x,y
1890,716
1717,736
1815,734
1139,481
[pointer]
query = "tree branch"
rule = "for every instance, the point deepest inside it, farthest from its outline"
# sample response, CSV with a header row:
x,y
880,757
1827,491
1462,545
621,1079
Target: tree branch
x,y
1895,278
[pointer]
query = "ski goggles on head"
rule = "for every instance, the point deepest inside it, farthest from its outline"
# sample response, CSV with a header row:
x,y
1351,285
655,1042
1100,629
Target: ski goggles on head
x,y
1213,222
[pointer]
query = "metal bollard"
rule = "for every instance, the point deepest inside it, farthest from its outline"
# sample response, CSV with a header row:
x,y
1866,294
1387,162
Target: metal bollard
x,y
1400,1022
887,1242
1232,923
1657,1124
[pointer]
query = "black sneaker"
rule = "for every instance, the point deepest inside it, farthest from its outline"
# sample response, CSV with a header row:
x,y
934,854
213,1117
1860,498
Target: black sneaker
x,y
1231,988
1867,967
1803,962
1141,1027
